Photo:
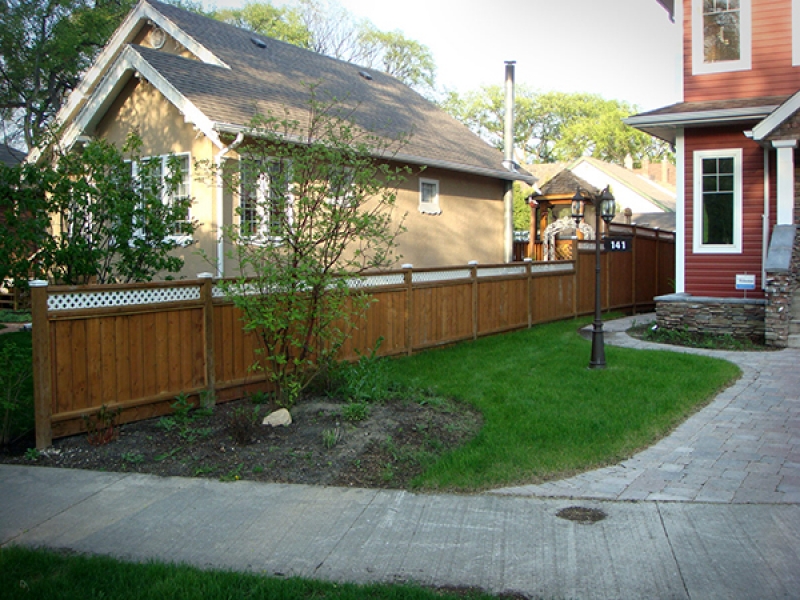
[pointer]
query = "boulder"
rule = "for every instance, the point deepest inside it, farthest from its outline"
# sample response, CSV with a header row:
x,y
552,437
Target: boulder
x,y
279,417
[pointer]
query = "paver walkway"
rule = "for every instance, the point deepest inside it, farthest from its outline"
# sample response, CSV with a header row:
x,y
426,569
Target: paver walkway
x,y
744,447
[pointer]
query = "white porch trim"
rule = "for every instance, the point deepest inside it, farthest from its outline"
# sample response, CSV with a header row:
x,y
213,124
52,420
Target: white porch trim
x,y
785,183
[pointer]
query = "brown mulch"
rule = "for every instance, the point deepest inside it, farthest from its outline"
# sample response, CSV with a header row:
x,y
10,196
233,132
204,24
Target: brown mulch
x,y
388,449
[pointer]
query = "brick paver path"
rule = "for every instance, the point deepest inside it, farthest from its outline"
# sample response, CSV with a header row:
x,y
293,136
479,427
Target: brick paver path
x,y
744,447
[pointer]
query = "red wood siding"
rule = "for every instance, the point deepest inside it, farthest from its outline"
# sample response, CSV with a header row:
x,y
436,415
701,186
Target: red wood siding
x,y
715,274
772,73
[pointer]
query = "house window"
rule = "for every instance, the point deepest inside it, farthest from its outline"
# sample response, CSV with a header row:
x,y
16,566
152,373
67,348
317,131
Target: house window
x,y
429,197
340,186
264,199
169,176
721,36
718,201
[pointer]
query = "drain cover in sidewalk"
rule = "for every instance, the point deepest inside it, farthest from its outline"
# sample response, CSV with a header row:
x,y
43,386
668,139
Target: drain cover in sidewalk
x,y
581,514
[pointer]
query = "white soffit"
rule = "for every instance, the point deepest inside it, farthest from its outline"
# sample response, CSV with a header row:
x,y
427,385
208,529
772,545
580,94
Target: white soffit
x,y
129,62
776,119
133,23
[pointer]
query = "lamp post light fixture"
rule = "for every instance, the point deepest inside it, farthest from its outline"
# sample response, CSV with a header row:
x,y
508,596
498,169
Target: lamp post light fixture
x,y
605,206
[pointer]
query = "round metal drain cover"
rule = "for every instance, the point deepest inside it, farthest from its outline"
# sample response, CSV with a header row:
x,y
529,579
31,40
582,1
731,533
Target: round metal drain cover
x,y
581,514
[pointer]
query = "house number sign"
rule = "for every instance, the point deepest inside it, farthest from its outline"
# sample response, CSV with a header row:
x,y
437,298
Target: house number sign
x,y
617,244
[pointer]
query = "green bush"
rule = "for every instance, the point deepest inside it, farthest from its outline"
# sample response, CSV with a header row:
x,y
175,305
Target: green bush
x,y
16,399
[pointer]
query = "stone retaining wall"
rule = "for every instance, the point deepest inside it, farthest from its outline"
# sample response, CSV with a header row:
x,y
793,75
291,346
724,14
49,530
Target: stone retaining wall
x,y
740,318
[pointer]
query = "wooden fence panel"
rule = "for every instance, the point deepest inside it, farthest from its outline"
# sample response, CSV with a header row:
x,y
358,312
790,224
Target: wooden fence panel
x,y
502,305
137,355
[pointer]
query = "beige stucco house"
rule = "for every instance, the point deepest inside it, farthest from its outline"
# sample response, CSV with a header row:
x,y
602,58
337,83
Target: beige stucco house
x,y
190,85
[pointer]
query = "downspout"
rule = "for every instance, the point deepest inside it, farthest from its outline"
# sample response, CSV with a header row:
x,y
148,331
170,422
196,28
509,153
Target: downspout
x,y
508,163
221,203
765,223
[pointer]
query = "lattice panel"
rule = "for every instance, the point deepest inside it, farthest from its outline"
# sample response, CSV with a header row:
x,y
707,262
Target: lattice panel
x,y
369,281
426,276
501,271
552,267
102,299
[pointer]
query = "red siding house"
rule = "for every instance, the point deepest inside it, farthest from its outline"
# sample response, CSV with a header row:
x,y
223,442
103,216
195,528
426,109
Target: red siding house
x,y
736,137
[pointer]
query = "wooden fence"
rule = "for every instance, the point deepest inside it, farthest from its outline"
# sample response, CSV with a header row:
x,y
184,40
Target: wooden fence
x,y
135,347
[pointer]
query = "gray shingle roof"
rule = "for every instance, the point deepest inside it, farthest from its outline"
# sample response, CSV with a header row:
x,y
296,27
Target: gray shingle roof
x,y
566,183
276,77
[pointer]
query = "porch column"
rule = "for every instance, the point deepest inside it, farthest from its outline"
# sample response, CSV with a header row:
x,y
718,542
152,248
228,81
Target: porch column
x,y
785,186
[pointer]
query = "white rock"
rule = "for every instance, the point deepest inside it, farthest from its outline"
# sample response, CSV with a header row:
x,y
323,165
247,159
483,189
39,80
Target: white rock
x,y
279,417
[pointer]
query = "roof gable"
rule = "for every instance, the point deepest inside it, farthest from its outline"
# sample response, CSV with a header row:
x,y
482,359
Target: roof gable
x,y
781,117
236,79
636,183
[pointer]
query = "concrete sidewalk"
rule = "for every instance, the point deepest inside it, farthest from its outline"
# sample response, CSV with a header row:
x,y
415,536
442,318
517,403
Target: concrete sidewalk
x,y
742,543
500,544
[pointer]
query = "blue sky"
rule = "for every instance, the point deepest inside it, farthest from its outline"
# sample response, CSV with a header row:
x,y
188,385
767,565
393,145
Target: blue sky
x,y
621,49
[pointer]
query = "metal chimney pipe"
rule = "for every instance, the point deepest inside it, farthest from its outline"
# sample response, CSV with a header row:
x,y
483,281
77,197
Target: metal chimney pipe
x,y
510,164
508,133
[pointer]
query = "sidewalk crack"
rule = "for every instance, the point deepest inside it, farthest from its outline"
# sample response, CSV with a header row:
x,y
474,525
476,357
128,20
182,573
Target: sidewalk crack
x,y
672,550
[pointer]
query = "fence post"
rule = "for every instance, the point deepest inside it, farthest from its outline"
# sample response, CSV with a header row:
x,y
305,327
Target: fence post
x,y
633,270
658,261
576,277
409,281
529,273
473,265
207,297
42,365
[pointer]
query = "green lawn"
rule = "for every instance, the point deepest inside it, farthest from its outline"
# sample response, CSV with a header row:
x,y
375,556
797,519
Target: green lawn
x,y
546,414
44,575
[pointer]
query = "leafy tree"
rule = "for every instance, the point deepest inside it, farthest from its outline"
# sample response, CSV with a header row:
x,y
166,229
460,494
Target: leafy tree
x,y
557,126
45,45
313,217
282,23
109,225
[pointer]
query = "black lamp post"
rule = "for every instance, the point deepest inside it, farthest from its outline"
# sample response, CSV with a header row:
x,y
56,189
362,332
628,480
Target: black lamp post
x,y
605,206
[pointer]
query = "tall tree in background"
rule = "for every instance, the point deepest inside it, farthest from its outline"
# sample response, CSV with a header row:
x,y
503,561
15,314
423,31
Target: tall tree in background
x,y
45,45
326,27
557,126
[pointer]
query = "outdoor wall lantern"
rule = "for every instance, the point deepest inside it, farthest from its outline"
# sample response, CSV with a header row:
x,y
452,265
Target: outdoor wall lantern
x,y
605,206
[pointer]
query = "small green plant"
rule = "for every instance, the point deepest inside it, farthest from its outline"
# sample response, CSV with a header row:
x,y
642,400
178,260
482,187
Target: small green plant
x,y
203,470
101,427
258,469
259,397
366,380
16,371
207,401
15,316
32,454
133,458
234,474
695,339
243,424
331,437
355,411
166,455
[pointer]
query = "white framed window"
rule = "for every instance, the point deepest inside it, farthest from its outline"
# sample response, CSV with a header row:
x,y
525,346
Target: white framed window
x,y
340,187
160,171
721,36
429,197
264,199
717,202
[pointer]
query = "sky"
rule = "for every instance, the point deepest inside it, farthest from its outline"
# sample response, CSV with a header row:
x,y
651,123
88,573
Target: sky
x,y
621,49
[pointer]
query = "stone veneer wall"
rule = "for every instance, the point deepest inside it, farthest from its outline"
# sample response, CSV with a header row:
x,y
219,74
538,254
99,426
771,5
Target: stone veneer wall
x,y
740,318
778,313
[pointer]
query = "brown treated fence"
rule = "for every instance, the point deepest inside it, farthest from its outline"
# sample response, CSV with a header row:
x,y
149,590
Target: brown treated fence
x,y
135,347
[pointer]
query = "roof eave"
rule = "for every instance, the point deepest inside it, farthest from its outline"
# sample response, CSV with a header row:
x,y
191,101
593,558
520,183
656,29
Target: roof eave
x,y
664,126
502,174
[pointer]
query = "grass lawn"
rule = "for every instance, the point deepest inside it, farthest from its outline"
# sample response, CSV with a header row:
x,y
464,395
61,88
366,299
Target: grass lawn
x,y
45,575
546,414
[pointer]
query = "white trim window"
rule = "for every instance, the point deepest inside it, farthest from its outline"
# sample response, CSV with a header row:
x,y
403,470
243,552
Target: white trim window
x,y
717,202
429,197
721,36
173,186
341,187
264,199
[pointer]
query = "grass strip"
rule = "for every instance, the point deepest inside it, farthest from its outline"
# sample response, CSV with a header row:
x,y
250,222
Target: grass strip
x,y
47,575
547,415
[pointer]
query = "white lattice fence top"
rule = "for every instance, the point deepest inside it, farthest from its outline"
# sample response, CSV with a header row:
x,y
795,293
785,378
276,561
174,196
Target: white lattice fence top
x,y
552,267
427,276
102,299
502,271
368,281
